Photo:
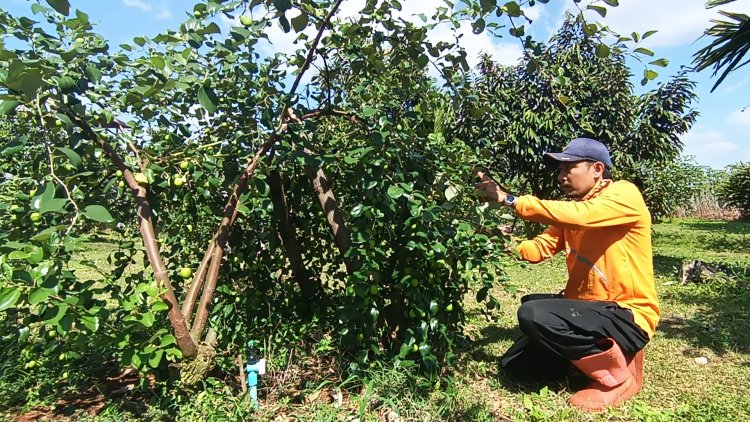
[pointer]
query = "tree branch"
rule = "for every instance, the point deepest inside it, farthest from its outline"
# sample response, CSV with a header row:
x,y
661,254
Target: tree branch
x,y
230,210
332,213
288,237
314,45
143,210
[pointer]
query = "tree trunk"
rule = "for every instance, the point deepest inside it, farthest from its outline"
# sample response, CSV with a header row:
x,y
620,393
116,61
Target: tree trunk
x,y
143,210
333,214
286,230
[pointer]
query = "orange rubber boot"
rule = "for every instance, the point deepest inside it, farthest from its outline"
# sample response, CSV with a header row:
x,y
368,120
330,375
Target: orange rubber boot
x,y
615,379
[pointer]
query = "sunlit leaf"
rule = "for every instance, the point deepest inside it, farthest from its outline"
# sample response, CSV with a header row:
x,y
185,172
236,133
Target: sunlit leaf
x,y
8,297
98,213
207,98
61,6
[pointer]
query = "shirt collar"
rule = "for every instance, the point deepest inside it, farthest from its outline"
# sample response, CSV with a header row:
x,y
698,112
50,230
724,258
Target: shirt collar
x,y
597,189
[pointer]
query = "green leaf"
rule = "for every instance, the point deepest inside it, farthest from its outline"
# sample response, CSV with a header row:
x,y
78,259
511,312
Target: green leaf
x,y
357,210
404,350
262,187
369,111
159,306
158,62
147,319
644,51
211,28
36,254
53,205
8,107
73,156
478,26
93,73
590,29
648,34
155,358
602,51
487,5
47,195
8,297
512,9
15,146
39,295
98,213
660,62
28,82
518,31
299,23
18,255
173,351
651,75
207,98
38,9
61,6
135,360
477,112
601,10
91,322
395,192
55,314
167,340
65,83
284,22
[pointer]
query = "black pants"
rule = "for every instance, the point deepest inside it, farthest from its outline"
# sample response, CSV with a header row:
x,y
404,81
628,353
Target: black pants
x,y
558,330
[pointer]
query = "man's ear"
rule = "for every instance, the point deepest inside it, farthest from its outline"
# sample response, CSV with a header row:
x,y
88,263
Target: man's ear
x,y
599,170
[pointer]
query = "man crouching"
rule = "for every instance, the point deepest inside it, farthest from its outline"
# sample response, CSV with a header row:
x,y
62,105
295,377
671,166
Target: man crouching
x,y
609,309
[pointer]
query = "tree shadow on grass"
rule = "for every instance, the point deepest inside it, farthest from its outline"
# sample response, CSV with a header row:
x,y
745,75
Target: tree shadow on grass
x,y
726,243
723,322
478,351
667,266
734,227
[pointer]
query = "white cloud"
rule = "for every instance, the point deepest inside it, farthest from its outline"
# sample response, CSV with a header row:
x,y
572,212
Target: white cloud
x,y
679,22
740,117
160,11
714,149
534,13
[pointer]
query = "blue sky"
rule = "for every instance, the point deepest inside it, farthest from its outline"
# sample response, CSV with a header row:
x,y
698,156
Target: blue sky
x,y
721,135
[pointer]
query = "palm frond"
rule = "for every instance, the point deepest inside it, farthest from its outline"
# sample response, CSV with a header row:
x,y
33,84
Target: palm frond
x,y
713,3
731,43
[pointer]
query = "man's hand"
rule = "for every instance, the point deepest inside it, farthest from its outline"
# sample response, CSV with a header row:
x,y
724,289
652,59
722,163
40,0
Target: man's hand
x,y
490,190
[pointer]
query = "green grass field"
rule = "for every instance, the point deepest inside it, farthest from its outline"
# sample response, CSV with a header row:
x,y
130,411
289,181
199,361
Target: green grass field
x,y
709,320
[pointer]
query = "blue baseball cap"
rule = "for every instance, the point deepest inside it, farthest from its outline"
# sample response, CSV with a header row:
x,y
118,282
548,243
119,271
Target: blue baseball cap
x,y
582,149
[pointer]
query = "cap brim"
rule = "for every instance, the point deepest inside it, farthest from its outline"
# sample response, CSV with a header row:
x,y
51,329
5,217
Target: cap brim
x,y
553,157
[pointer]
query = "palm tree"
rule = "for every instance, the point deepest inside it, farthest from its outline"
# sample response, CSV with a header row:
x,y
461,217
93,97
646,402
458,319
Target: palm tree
x,y
730,45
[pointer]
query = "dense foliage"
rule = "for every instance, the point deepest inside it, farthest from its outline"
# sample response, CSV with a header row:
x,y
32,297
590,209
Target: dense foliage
x,y
248,199
574,87
735,191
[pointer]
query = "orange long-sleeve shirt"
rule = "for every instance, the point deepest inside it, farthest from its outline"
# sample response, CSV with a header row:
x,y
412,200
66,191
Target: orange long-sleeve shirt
x,y
607,240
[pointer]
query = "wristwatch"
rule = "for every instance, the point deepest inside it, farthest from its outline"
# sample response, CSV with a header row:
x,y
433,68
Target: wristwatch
x,y
509,200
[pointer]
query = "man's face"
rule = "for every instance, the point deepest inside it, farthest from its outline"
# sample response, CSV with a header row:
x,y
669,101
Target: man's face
x,y
577,178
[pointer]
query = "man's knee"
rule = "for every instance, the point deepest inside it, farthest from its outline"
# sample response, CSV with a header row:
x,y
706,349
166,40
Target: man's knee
x,y
528,315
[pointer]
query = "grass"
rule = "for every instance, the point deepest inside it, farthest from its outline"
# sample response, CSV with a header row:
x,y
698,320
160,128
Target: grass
x,y
710,320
